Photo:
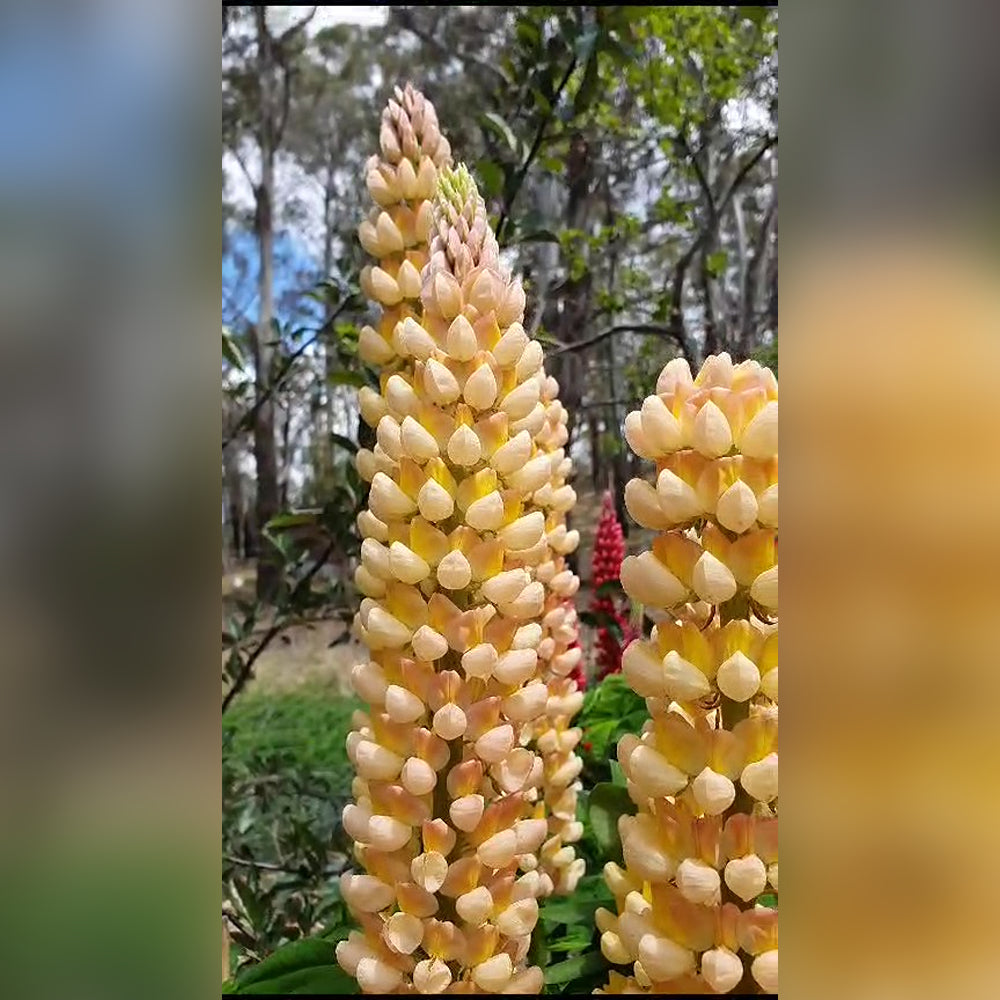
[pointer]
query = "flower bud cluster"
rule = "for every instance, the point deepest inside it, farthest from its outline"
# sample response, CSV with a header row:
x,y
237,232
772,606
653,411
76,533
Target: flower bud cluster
x,y
606,565
402,182
462,520
703,845
559,657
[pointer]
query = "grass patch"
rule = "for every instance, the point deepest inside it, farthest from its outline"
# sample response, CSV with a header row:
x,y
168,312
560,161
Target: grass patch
x,y
302,731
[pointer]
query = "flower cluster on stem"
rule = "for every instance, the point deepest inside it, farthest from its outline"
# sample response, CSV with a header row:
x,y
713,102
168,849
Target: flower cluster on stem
x,y
606,564
466,511
703,846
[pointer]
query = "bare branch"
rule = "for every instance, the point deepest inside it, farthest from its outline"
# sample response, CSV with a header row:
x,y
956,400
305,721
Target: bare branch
x,y
748,165
532,152
644,329
404,18
296,27
246,170
246,421
246,671
267,866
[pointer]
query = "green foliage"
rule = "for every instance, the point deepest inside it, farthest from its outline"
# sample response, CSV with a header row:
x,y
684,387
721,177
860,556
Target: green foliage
x,y
610,709
606,804
768,355
307,967
566,942
286,779
231,351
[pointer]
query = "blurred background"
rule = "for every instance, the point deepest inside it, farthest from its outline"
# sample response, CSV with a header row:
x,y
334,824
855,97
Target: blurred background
x,y
628,157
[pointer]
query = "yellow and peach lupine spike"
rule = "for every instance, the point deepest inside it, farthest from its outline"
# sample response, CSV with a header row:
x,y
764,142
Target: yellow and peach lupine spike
x,y
533,462
445,819
559,651
703,847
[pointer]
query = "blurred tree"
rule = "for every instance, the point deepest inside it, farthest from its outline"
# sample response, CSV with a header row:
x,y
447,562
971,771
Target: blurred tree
x,y
257,89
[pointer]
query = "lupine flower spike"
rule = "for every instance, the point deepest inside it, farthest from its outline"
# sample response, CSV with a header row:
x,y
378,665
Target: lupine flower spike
x,y
401,182
606,564
447,839
703,847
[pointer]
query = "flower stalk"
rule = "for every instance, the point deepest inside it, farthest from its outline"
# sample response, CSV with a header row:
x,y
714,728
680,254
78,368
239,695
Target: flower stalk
x,y
461,571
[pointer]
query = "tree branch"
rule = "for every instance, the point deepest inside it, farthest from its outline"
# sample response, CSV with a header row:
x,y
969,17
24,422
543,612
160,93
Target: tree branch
x,y
246,421
246,671
404,19
741,174
245,169
267,866
532,152
644,329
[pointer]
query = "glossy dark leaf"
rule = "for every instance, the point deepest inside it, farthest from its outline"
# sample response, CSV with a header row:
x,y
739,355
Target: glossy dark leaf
x,y
231,351
494,122
344,442
607,803
491,177
574,968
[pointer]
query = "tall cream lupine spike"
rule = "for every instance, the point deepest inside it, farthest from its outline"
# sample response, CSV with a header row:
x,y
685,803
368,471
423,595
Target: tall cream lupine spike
x,y
542,478
444,824
703,846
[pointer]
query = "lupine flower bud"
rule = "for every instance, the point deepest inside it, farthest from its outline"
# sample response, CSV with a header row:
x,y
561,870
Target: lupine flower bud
x,y
703,846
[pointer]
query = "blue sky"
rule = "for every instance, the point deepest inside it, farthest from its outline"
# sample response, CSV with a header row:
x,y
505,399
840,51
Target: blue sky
x,y
295,271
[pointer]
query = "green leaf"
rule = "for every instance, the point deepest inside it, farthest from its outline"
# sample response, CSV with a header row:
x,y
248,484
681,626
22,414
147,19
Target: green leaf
x,y
291,520
573,968
607,803
579,908
770,900
588,85
538,236
610,588
344,377
310,953
491,176
493,121
345,442
576,940
321,980
617,774
538,953
715,263
583,43
231,351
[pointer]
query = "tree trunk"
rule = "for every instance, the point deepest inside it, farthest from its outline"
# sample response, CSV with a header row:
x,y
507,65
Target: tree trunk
x,y
327,425
235,502
264,446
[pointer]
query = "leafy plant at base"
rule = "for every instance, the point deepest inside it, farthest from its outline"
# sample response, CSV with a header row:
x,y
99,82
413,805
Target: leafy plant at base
x,y
610,709
285,782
